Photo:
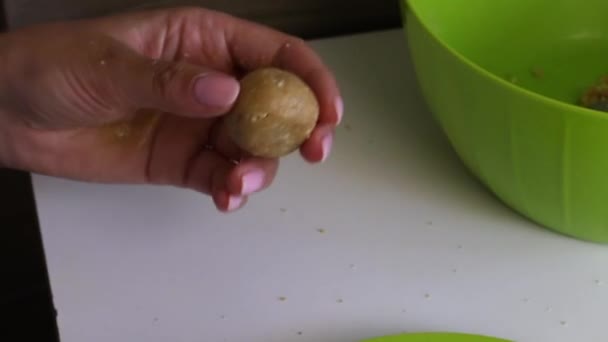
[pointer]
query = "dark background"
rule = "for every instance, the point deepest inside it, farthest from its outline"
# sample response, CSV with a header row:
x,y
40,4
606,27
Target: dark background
x,y
306,18
26,309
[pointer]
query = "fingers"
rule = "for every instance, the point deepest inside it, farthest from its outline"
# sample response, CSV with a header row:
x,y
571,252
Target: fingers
x,y
225,43
252,175
229,184
176,87
225,202
318,147
253,46
177,142
221,142
207,174
230,44
299,58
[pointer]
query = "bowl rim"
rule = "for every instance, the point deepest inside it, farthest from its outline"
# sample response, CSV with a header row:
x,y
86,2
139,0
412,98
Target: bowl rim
x,y
410,6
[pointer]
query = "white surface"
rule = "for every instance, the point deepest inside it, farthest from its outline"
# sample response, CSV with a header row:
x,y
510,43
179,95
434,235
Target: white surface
x,y
404,221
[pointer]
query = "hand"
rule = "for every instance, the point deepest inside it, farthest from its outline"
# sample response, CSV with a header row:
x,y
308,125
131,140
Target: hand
x,y
138,98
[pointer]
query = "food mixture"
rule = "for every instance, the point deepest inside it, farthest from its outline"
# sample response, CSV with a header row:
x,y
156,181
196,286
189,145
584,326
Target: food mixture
x,y
274,114
596,97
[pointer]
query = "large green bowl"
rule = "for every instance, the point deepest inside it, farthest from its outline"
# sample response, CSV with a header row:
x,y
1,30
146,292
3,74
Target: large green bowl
x,y
503,79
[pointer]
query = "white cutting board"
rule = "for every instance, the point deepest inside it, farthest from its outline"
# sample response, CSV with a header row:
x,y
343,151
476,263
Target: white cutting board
x,y
408,242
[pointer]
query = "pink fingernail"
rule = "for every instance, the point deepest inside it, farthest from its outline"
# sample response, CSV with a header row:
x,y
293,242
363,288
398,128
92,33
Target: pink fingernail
x,y
339,104
234,202
216,90
252,181
326,146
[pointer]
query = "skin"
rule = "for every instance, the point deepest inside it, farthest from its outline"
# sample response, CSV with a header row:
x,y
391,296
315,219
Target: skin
x,y
119,100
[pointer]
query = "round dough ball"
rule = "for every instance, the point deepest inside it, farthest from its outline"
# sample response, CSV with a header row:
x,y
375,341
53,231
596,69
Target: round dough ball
x,y
274,113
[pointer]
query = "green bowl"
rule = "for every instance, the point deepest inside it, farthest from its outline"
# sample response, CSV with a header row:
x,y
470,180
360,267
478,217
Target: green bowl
x,y
503,79
436,337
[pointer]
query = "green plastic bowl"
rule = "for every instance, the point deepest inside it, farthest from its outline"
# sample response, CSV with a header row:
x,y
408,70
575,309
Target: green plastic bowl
x,y
503,79
436,337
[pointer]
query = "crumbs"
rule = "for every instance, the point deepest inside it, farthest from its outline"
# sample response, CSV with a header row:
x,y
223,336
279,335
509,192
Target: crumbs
x,y
122,130
596,96
132,132
537,72
511,78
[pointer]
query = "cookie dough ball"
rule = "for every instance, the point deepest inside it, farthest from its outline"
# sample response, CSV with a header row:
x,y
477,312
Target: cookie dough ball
x,y
274,113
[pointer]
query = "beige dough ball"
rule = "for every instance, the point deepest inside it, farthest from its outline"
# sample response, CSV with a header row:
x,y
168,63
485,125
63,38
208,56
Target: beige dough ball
x,y
274,113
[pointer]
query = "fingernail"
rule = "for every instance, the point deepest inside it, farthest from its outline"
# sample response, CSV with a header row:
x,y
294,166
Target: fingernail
x,y
252,181
216,90
234,202
339,104
326,146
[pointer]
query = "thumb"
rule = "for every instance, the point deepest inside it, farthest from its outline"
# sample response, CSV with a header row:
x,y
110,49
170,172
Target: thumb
x,y
176,87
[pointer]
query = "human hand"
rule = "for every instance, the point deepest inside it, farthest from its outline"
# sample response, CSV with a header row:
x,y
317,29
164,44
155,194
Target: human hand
x,y
139,98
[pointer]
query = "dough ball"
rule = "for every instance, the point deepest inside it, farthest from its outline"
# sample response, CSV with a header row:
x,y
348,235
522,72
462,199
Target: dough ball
x,y
274,114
